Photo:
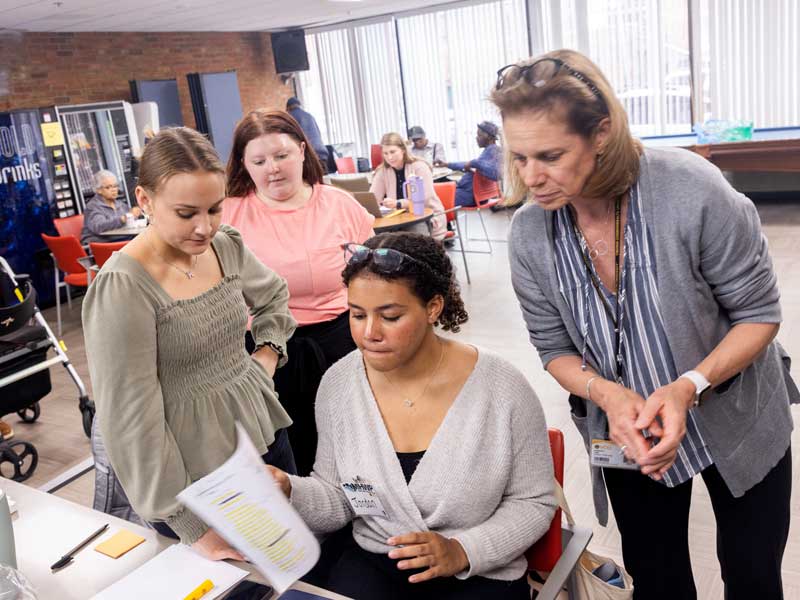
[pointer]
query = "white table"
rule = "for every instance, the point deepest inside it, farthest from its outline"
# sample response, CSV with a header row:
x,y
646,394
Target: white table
x,y
132,230
46,526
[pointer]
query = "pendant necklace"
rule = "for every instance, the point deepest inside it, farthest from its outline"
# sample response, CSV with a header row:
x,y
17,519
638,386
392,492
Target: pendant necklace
x,y
599,247
189,273
408,402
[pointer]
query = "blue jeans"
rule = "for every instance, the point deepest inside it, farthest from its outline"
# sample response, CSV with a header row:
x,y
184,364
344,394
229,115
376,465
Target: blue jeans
x,y
279,455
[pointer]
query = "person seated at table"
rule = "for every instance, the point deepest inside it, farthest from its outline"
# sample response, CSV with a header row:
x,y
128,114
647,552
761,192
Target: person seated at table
x,y
487,164
397,166
296,225
105,211
164,322
430,152
451,439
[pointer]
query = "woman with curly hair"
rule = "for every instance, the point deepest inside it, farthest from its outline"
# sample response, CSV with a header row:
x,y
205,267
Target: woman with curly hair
x,y
435,450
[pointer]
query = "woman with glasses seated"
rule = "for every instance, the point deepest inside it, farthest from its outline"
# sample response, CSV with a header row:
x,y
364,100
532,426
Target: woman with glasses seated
x,y
105,211
296,225
648,290
397,166
435,450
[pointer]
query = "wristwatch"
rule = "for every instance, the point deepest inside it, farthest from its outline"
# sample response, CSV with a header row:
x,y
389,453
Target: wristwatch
x,y
701,386
399,204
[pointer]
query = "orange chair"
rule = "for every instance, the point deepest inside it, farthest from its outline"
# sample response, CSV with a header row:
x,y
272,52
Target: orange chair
x,y
487,194
446,192
375,156
65,251
69,225
559,550
102,251
345,165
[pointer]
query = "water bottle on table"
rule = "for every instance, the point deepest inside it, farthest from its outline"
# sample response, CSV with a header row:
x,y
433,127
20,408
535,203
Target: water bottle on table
x,y
414,192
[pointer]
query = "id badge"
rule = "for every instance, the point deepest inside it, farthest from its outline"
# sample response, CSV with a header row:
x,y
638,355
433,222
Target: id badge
x,y
606,453
363,498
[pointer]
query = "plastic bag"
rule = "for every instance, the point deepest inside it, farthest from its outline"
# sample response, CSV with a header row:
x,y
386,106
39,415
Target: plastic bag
x,y
14,585
714,131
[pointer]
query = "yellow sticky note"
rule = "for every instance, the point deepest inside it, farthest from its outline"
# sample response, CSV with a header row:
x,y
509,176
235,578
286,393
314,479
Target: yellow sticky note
x,y
52,134
119,543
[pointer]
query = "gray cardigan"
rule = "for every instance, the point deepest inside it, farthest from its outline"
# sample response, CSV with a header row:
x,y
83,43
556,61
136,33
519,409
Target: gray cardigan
x,y
713,271
486,479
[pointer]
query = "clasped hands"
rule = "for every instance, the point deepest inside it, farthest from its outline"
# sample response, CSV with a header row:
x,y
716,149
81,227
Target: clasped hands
x,y
663,415
438,555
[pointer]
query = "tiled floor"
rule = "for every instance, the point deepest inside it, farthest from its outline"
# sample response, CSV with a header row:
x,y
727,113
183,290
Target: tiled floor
x,y
495,324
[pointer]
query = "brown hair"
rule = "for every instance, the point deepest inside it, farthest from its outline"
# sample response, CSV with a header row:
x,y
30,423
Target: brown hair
x,y
571,100
176,150
395,139
429,274
254,125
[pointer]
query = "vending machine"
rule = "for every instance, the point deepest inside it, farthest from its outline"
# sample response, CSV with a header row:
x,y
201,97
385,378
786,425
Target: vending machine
x,y
28,196
99,136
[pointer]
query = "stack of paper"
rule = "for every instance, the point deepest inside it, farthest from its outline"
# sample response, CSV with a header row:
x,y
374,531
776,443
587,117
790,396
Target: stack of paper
x,y
175,573
242,502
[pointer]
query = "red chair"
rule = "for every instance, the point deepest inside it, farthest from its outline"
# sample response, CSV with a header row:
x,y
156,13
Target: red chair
x,y
446,192
102,251
69,225
65,251
558,551
345,165
487,194
375,156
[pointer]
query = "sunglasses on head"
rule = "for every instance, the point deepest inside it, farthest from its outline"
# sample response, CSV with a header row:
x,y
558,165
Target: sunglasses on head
x,y
541,72
388,260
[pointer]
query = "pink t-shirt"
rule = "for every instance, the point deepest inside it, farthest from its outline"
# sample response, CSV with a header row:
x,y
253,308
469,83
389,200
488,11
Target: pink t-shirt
x,y
303,245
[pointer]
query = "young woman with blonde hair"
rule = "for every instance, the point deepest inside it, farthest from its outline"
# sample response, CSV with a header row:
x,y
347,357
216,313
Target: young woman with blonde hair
x,y
164,323
397,166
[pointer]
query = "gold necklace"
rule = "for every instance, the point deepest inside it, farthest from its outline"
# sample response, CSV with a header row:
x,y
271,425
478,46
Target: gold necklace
x,y
599,247
189,273
408,402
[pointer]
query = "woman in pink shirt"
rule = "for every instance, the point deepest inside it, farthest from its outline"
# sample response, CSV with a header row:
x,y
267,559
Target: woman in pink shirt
x,y
397,166
296,225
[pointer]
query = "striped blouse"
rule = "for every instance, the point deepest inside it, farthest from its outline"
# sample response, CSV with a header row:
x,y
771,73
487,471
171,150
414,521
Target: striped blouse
x,y
646,359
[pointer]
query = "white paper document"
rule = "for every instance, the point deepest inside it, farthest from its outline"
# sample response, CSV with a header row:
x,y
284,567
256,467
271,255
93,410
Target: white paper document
x,y
174,573
242,502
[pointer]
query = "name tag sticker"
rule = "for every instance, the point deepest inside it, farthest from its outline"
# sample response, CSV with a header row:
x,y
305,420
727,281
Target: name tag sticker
x,y
363,498
606,453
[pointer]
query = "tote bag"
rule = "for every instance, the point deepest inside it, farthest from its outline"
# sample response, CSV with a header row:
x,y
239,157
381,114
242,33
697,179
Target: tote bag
x,y
588,586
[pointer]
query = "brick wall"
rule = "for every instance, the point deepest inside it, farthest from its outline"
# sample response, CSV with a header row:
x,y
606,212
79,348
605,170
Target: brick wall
x,y
45,69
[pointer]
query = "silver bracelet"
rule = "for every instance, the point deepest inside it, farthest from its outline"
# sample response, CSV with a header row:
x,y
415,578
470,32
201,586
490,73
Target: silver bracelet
x,y
589,387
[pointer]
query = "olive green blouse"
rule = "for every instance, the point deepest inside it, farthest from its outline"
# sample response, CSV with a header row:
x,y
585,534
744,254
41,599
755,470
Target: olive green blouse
x,y
171,377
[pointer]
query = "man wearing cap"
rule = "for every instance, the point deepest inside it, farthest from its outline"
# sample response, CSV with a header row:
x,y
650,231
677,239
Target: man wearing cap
x,y
422,148
487,164
309,126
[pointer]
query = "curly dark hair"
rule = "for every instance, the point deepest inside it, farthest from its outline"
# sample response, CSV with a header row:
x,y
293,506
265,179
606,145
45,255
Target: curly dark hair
x,y
425,283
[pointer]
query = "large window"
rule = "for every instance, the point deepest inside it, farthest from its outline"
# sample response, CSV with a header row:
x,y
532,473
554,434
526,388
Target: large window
x,y
450,60
750,60
743,62
641,45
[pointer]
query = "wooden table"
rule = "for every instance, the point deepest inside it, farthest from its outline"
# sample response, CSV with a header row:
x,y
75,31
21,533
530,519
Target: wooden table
x,y
401,221
774,150
438,173
46,526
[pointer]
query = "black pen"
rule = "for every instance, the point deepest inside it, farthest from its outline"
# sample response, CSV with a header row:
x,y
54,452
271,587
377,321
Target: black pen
x,y
67,558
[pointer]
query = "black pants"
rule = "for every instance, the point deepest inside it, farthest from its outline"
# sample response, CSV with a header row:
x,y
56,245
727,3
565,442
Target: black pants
x,y
751,533
279,454
312,349
363,575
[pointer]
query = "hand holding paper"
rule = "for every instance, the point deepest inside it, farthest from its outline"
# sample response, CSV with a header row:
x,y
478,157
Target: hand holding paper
x,y
242,502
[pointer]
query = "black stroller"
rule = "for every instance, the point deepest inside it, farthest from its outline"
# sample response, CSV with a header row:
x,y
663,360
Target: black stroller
x,y
25,339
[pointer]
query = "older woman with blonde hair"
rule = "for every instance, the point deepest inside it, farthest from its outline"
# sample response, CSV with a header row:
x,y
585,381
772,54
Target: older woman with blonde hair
x,y
397,166
648,291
